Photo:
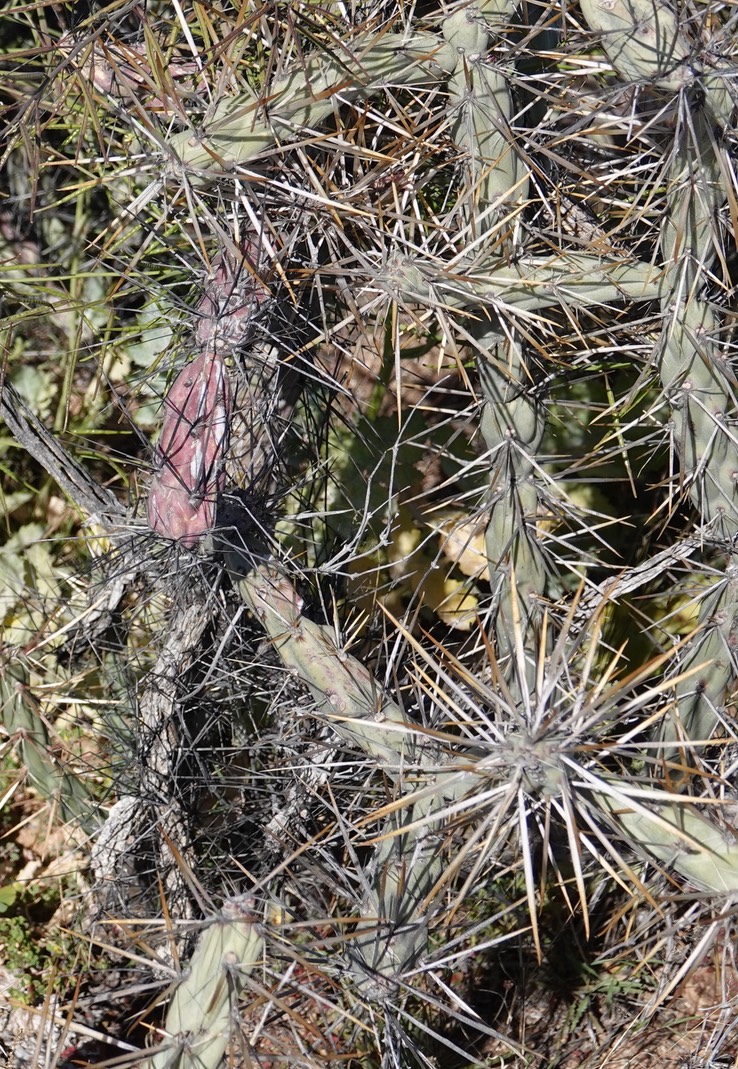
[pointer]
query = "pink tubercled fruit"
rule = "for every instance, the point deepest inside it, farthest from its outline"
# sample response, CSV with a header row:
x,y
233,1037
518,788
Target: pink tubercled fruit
x,y
226,313
191,450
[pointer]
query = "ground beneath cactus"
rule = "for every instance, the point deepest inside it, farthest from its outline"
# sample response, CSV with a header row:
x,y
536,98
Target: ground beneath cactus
x,y
697,1019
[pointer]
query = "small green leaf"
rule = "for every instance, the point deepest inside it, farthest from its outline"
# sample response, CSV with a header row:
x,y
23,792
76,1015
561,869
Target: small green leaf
x,y
8,895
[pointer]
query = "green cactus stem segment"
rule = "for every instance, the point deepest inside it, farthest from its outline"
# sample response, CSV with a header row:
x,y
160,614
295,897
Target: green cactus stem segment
x,y
511,424
481,108
391,933
697,381
701,701
678,836
47,774
244,127
642,40
202,1013
341,686
512,427
578,281
345,693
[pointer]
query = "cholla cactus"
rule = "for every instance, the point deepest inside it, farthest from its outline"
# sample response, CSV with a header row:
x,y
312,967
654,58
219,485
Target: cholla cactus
x,y
405,189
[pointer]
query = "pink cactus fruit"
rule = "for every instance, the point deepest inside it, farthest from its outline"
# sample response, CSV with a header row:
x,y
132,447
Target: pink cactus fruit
x,y
190,451
232,297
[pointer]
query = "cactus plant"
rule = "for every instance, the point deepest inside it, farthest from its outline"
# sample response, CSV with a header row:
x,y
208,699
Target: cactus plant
x,y
504,229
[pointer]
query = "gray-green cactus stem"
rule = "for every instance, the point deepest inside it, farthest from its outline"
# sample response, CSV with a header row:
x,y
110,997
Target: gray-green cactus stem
x,y
694,376
677,835
391,933
512,428
702,697
244,127
699,385
511,424
481,108
47,774
532,283
202,1015
642,40
341,686
346,694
